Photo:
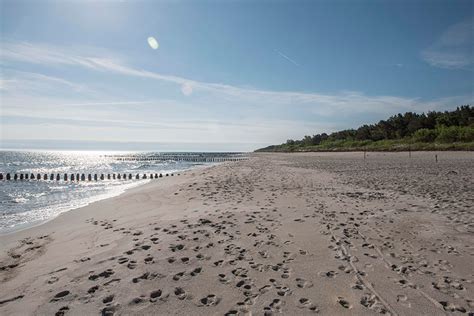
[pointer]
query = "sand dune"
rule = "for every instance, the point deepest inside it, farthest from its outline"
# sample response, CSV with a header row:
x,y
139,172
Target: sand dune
x,y
289,234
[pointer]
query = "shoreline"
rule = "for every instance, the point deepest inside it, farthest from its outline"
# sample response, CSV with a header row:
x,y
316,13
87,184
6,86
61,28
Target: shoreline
x,y
130,190
278,233
67,209
93,199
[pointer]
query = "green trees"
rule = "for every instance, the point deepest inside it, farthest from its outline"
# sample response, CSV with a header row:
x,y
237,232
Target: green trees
x,y
432,127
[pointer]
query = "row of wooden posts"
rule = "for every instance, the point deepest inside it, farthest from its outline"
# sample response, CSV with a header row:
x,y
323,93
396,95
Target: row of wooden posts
x,y
82,177
181,158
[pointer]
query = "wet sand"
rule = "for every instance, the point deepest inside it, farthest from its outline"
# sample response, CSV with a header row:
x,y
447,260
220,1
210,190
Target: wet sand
x,y
289,234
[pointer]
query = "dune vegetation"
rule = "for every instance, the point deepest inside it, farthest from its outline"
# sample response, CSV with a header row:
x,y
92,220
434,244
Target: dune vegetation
x,y
449,130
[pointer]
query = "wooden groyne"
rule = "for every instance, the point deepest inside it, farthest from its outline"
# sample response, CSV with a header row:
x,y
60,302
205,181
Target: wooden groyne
x,y
198,157
74,177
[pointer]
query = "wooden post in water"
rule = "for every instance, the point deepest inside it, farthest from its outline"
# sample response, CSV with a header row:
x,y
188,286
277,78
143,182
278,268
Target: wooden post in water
x,y
436,158
65,177
8,176
95,176
144,176
409,151
137,177
72,177
1,176
113,176
102,177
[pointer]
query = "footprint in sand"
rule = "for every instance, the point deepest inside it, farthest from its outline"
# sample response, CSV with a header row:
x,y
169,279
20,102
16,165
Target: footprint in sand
x,y
62,311
328,274
61,295
210,300
108,299
104,274
108,310
306,303
343,302
275,306
302,283
158,295
181,293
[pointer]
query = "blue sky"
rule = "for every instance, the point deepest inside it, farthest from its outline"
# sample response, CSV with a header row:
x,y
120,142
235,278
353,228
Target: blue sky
x,y
227,75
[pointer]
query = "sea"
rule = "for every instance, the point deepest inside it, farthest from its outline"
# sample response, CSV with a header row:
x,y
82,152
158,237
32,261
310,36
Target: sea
x,y
25,203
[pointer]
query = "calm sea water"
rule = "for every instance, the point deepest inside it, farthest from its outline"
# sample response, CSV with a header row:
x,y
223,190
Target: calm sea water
x,y
29,202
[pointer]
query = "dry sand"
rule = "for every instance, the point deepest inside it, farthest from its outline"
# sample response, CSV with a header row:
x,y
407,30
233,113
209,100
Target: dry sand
x,y
279,234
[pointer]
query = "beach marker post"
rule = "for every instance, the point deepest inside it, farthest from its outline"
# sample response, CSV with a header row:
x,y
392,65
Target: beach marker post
x,y
436,158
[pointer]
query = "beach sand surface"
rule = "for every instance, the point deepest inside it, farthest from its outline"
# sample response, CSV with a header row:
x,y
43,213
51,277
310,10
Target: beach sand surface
x,y
289,234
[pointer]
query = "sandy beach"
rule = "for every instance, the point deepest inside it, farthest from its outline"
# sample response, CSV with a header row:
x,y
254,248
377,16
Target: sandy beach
x,y
289,234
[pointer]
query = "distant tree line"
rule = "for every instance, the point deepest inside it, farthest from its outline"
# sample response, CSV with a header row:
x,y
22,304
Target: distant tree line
x,y
442,127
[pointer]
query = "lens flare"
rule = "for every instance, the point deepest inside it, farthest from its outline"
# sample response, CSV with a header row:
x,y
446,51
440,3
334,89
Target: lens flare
x,y
153,42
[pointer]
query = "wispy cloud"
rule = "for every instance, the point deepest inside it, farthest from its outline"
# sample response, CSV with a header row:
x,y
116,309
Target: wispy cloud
x,y
321,104
208,112
22,81
287,58
454,48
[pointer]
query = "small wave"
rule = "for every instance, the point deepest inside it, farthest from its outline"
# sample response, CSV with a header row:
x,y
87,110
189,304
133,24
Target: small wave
x,y
19,200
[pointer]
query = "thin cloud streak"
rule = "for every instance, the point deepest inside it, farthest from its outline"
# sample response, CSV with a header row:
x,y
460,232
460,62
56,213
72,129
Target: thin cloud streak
x,y
287,58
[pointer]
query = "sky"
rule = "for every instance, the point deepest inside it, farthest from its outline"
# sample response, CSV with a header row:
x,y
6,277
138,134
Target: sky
x,y
223,75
